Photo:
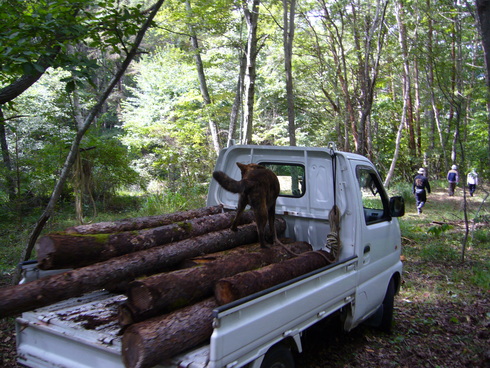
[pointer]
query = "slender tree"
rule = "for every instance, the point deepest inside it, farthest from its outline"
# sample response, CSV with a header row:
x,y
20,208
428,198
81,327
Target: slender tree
x,y
237,102
483,12
252,19
202,78
407,76
369,67
6,158
70,159
289,10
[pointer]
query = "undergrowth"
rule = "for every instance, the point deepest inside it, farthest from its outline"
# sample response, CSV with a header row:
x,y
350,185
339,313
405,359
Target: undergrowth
x,y
15,229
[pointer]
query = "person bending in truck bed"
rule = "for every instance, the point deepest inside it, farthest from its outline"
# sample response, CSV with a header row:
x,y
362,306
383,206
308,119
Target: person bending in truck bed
x,y
419,188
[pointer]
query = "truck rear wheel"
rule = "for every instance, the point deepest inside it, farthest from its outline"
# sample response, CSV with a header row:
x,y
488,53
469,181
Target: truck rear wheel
x,y
279,356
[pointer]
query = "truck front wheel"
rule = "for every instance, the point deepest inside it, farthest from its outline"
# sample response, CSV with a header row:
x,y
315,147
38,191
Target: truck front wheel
x,y
279,356
388,303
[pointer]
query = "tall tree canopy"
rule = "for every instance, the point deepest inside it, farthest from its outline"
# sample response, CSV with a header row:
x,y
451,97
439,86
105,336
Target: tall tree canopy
x,y
401,82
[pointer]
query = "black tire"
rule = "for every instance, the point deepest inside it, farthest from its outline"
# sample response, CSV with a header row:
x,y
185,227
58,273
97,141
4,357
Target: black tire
x,y
279,356
388,303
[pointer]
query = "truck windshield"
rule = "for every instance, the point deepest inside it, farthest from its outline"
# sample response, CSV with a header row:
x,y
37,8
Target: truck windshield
x,y
291,178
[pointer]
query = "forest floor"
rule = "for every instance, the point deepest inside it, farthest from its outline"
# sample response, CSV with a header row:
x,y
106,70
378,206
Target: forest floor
x,y
442,318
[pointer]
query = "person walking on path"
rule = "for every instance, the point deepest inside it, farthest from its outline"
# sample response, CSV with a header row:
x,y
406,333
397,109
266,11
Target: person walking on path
x,y
453,179
472,180
420,188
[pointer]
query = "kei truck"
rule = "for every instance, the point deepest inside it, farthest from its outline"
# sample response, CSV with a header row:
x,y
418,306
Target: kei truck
x,y
359,245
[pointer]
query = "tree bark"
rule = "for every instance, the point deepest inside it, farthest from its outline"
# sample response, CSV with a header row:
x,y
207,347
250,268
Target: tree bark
x,y
252,17
246,283
202,79
165,292
6,158
15,89
72,251
432,86
407,82
70,159
20,298
373,45
289,7
139,223
483,12
150,342
237,103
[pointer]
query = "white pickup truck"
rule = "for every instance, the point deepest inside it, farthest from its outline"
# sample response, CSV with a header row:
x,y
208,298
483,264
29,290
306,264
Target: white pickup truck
x,y
262,330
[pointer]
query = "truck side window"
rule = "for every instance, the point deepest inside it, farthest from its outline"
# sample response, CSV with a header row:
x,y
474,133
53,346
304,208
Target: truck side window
x,y
374,200
291,178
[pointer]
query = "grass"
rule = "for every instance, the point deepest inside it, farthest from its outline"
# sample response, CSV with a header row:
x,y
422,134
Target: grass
x,y
442,313
437,236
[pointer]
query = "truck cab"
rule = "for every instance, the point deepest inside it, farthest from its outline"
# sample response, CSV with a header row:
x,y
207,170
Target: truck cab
x,y
313,181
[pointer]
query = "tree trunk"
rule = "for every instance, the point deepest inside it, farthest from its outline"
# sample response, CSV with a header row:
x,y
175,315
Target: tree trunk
x,y
22,84
6,158
289,7
246,283
72,251
165,292
148,343
432,84
483,11
20,298
336,37
139,223
398,140
237,103
70,159
373,45
407,84
202,79
252,17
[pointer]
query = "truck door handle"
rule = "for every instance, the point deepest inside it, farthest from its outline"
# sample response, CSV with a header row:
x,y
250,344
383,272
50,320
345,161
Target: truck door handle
x,y
367,249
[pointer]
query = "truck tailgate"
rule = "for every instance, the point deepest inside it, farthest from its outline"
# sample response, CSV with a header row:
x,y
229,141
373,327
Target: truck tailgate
x,y
78,332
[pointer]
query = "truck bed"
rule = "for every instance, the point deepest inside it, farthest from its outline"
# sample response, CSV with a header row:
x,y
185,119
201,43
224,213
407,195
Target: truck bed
x,y
83,332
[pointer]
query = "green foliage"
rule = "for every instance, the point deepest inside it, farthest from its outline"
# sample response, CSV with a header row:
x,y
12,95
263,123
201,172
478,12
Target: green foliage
x,y
438,230
109,166
403,189
42,136
164,121
36,35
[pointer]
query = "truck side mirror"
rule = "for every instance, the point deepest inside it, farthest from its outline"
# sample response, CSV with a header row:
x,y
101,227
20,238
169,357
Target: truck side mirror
x,y
397,206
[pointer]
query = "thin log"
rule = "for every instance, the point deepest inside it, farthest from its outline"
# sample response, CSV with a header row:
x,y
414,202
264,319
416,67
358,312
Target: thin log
x,y
139,223
56,251
166,292
246,283
149,343
16,299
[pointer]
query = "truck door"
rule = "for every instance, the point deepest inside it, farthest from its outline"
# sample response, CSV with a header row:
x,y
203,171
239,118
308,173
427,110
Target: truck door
x,y
378,238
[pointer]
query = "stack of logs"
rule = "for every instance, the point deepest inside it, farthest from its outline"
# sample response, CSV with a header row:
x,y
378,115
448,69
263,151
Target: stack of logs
x,y
175,269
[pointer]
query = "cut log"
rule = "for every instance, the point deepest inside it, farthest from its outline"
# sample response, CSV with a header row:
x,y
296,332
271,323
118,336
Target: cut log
x,y
20,298
148,343
139,223
165,292
72,251
246,283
